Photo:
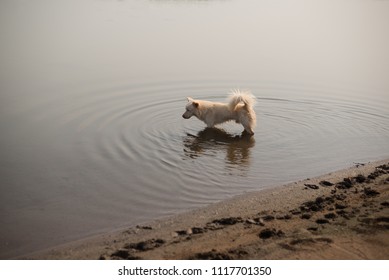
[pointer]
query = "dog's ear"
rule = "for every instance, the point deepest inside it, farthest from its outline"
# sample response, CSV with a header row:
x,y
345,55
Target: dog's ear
x,y
190,99
196,104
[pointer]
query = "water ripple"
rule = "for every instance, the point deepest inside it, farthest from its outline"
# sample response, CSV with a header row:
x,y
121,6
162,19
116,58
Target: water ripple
x,y
145,159
117,156
143,124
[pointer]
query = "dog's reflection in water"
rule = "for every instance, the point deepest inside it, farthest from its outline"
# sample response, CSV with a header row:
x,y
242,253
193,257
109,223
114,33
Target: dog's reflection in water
x,y
212,140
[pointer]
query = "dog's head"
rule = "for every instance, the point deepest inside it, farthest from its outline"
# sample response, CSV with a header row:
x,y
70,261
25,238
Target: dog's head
x,y
191,108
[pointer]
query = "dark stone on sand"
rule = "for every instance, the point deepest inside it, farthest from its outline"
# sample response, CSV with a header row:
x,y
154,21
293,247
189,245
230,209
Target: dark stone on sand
x,y
144,227
360,178
382,219
329,199
322,221
330,216
268,218
326,183
124,254
306,216
370,192
384,167
345,214
284,217
295,212
372,176
228,221
146,245
339,196
311,207
340,206
212,255
268,233
213,226
182,232
238,252
197,230
312,228
312,186
342,213
378,172
142,246
385,203
316,205
345,184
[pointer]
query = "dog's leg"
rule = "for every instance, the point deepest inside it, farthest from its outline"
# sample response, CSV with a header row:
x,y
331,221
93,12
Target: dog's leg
x,y
210,123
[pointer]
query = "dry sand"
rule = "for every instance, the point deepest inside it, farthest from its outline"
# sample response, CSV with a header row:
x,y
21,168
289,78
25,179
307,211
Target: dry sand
x,y
342,215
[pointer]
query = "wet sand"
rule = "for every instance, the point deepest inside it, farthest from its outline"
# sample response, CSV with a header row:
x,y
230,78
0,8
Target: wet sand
x,y
341,215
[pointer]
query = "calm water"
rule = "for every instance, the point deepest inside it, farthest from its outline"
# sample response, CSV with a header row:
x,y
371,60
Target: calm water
x,y
92,93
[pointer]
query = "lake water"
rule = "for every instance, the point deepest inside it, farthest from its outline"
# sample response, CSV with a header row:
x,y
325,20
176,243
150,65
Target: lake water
x,y
92,93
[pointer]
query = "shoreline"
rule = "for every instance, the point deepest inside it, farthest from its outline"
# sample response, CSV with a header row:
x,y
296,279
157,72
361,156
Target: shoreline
x,y
340,215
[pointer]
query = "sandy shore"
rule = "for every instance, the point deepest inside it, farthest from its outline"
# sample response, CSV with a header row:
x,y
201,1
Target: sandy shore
x,y
342,215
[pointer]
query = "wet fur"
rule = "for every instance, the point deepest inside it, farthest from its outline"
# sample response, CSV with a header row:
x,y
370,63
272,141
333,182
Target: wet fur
x,y
240,108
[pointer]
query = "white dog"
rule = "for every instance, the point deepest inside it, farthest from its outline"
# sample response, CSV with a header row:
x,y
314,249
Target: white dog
x,y
239,108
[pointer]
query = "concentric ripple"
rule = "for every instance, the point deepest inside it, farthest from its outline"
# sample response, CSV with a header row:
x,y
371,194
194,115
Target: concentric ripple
x,y
113,157
137,136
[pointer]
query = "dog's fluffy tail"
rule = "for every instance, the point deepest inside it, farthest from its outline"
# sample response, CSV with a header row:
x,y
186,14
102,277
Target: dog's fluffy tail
x,y
246,97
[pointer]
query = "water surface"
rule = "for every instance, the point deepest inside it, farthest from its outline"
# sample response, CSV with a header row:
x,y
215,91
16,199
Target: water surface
x,y
92,93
